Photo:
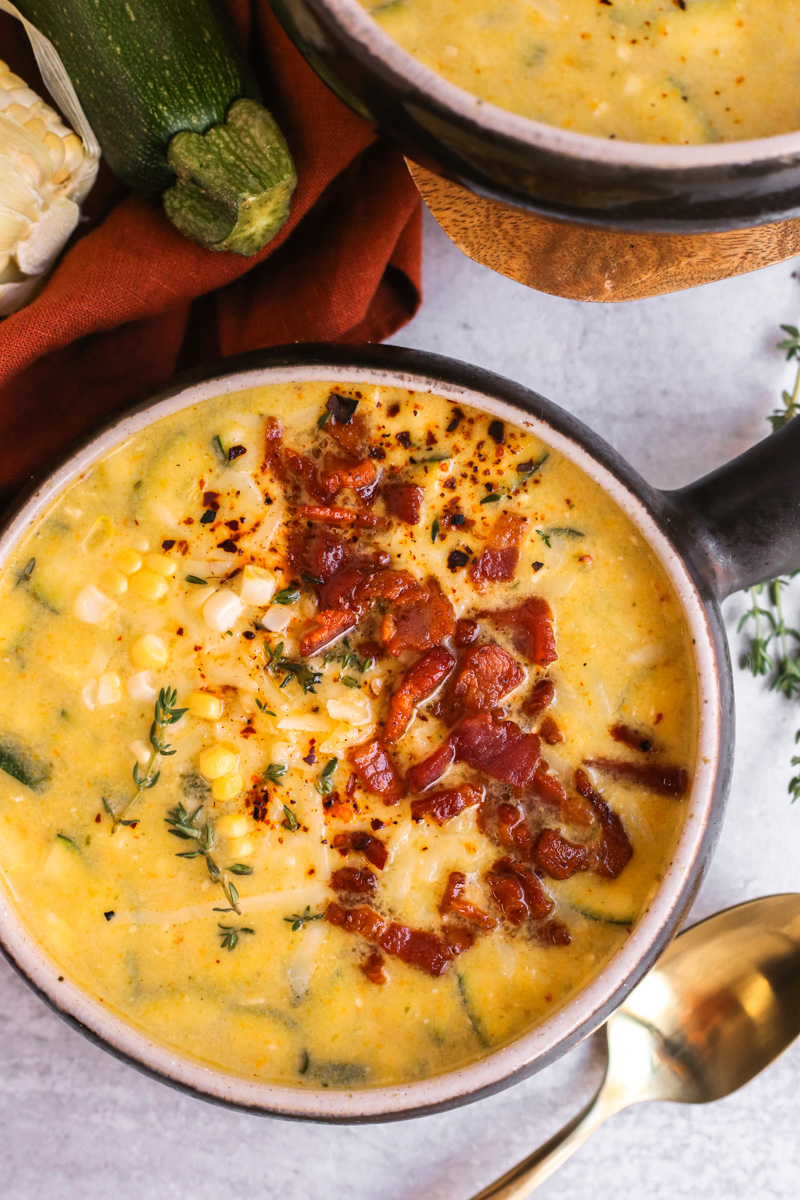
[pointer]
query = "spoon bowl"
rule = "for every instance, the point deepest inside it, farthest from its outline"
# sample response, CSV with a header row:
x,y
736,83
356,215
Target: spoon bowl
x,y
720,1005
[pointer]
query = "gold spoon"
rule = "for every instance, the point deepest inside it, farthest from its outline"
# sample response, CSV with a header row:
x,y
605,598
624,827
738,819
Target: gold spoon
x,y
720,1005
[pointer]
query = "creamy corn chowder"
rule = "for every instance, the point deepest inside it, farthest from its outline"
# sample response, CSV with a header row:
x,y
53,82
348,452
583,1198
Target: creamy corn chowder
x,y
684,71
345,732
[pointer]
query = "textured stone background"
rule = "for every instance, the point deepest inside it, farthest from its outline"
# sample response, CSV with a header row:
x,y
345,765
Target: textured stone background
x,y
678,384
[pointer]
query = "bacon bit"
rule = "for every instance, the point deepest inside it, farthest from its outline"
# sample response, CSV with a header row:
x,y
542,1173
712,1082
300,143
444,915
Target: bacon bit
x,y
346,426
499,748
304,469
404,501
458,938
350,786
443,806
397,587
273,446
655,777
354,881
454,901
607,854
211,500
512,828
416,947
549,732
339,516
552,933
372,966
517,892
634,739
419,683
324,553
432,768
323,628
376,771
531,629
542,696
365,843
466,632
420,625
362,475
552,793
485,675
498,562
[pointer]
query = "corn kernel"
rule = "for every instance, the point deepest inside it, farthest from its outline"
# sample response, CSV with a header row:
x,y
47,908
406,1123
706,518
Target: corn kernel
x,y
257,585
227,787
162,565
128,561
114,581
91,605
204,705
239,848
218,761
108,688
233,825
149,652
149,585
141,686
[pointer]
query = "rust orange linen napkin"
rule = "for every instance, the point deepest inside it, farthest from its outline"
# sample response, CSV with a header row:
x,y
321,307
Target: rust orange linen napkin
x,y
132,300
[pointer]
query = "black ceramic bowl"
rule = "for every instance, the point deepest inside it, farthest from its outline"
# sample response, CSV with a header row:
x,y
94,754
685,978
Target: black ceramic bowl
x,y
738,526
572,176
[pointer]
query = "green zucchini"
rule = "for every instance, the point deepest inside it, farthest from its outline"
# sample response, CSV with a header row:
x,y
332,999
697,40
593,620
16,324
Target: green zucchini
x,y
607,900
176,113
19,764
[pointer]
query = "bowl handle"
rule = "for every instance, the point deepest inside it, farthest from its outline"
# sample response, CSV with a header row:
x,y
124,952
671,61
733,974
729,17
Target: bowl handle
x,y
741,523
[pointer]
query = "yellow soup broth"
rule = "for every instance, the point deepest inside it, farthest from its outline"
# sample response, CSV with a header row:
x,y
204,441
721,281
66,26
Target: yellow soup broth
x,y
218,554
638,70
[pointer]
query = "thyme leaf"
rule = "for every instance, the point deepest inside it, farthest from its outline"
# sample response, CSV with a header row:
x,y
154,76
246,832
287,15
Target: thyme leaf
x,y
186,826
298,920
166,713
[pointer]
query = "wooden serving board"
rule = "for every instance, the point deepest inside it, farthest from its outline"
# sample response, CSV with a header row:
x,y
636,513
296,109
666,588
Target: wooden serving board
x,y
583,262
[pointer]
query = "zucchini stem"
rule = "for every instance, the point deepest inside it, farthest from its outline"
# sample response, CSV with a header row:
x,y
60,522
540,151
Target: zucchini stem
x,y
235,181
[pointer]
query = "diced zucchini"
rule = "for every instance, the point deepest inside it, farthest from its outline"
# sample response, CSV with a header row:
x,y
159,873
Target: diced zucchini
x,y
63,862
17,762
607,900
469,1008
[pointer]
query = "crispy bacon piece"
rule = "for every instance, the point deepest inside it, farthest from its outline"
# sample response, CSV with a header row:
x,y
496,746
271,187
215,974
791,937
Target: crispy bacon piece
x,y
372,966
485,675
512,828
346,426
397,587
571,809
655,777
273,448
362,475
304,469
466,632
376,771
606,855
421,624
551,933
365,843
634,739
530,627
419,682
549,732
459,938
323,628
323,554
338,516
517,892
354,881
423,774
498,562
404,501
454,901
443,806
542,696
498,748
417,947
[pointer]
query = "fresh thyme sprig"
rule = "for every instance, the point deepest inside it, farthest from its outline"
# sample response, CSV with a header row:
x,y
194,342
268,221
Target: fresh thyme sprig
x,y
275,773
185,825
791,400
230,935
324,784
298,920
165,714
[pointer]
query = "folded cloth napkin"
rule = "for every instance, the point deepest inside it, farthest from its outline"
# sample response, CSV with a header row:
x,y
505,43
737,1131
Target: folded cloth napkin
x,y
133,300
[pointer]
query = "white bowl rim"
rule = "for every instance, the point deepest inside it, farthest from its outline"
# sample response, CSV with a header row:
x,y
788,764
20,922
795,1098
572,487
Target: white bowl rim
x,y
587,1010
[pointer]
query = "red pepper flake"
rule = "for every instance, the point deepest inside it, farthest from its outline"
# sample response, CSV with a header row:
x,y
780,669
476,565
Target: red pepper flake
x,y
168,544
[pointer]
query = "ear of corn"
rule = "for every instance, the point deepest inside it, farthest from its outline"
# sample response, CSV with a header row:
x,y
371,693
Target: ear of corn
x,y
45,173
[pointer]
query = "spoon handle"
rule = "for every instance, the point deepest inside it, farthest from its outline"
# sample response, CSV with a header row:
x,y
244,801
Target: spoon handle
x,y
527,1175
